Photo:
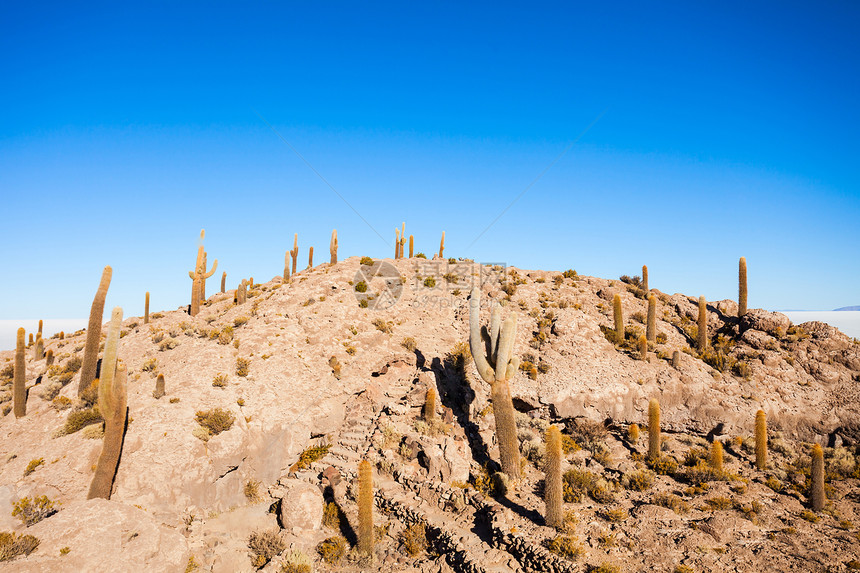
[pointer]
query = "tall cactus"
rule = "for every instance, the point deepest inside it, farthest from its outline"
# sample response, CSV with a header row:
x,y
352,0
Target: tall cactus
x,y
645,278
643,347
365,507
295,251
430,405
332,247
553,494
287,267
224,282
39,332
761,440
146,309
653,429
619,318
818,497
402,240
19,375
38,348
442,246
311,258
396,243
199,276
497,367
703,324
411,245
112,405
94,332
742,287
716,459
651,328
203,282
49,357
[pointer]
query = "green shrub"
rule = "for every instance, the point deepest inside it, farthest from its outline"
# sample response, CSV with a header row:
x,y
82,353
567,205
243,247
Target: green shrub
x,y
31,467
420,256
252,490
13,545
239,321
77,419
332,549
566,546
638,480
310,455
664,465
34,510
264,545
430,282
242,365
366,261
414,539
671,501
215,420
220,380
296,561
361,286
409,344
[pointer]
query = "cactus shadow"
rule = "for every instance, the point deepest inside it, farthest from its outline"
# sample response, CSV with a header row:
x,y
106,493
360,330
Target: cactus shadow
x,y
456,393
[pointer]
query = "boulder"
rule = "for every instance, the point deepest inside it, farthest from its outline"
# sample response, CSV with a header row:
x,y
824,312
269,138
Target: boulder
x,y
774,323
301,506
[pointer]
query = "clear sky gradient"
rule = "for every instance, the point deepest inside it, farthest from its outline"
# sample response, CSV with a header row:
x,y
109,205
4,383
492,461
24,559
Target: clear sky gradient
x,y
725,129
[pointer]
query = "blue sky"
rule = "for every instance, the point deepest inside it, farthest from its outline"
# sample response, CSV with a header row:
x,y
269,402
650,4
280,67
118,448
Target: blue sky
x,y
725,129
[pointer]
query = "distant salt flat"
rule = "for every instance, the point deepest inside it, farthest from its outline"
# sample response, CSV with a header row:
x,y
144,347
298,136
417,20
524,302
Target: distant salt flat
x,y
848,321
50,326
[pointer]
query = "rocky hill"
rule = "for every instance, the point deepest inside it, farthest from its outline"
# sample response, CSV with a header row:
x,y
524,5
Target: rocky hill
x,y
249,460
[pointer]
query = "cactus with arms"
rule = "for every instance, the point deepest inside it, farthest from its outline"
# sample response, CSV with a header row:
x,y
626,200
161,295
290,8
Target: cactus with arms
x,y
496,367
199,276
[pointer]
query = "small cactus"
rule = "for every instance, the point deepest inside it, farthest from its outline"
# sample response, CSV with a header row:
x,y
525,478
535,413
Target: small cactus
x,y
653,429
159,387
761,440
742,287
703,324
224,282
146,309
817,491
365,507
553,494
645,278
38,348
643,347
311,258
430,405
411,245
19,390
295,252
633,433
94,332
402,240
619,318
651,327
716,458
113,407
496,367
241,293
396,243
287,267
676,359
49,357
332,247
39,332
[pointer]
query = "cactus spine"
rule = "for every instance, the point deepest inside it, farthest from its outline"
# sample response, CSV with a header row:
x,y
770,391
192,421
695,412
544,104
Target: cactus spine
x,y
295,252
112,405
442,246
651,328
761,440
19,391
332,247
645,278
496,368
430,405
310,258
159,387
817,492
199,276
619,318
287,267
643,347
742,287
94,332
553,494
411,245
365,507
653,429
717,455
703,324
146,309
223,282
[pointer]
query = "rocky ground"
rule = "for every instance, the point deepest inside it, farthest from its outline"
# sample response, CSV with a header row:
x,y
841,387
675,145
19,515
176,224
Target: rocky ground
x,y
329,380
